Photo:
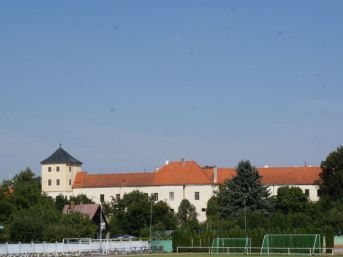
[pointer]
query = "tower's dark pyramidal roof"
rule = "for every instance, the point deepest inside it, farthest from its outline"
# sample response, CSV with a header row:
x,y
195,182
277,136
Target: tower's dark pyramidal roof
x,y
61,156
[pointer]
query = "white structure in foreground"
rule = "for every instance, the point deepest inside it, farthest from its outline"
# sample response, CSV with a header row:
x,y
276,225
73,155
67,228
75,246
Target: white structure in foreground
x,y
174,181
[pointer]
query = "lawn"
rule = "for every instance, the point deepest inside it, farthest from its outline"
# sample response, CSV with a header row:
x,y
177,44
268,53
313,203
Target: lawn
x,y
219,255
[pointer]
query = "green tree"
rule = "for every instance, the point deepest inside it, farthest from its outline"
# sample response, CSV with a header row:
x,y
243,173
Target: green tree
x,y
131,214
212,210
331,177
81,199
29,224
290,199
187,215
162,217
243,191
61,200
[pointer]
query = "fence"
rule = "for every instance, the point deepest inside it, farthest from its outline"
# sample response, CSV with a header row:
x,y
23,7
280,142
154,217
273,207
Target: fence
x,y
75,248
254,251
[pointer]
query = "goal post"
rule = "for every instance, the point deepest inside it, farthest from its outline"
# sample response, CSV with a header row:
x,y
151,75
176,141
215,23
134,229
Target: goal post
x,y
231,245
291,244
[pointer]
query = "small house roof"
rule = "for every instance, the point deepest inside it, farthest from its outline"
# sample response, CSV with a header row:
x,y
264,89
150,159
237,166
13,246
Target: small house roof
x,y
87,209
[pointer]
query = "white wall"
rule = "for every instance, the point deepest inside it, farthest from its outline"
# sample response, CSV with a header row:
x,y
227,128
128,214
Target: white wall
x,y
180,192
313,190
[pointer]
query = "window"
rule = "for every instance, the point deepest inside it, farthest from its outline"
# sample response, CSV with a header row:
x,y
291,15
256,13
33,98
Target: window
x,y
203,209
156,197
69,169
69,182
49,169
171,196
58,168
307,192
102,198
318,193
57,182
49,182
196,196
172,210
118,196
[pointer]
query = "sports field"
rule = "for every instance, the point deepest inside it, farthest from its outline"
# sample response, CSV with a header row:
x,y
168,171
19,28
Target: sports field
x,y
219,255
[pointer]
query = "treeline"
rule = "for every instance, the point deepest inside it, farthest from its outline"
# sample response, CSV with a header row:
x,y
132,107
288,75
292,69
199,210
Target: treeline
x,y
28,215
241,207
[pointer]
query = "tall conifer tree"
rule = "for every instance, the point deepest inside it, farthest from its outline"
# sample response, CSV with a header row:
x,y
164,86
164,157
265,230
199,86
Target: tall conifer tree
x,y
243,191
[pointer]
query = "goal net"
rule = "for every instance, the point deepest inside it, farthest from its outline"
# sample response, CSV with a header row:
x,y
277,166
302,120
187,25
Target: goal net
x,y
231,245
291,244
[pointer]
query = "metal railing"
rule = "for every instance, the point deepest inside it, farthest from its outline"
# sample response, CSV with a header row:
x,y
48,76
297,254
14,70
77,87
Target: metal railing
x,y
74,248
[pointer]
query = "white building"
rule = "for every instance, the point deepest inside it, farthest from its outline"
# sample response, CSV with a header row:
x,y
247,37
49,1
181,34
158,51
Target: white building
x,y
174,181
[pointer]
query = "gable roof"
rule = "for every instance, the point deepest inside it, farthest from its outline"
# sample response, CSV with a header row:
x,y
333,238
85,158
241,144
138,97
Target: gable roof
x,y
181,173
85,180
278,175
190,173
87,209
60,156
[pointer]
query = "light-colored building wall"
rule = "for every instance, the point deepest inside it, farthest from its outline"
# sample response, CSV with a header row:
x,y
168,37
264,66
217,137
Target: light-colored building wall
x,y
58,178
198,195
179,192
312,190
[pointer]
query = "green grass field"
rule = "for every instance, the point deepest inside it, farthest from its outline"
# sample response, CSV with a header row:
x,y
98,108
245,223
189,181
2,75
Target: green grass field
x,y
219,255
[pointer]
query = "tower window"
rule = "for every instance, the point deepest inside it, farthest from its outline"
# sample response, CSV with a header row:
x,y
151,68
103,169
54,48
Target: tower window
x,y
57,182
49,182
49,169
69,182
196,196
58,168
69,169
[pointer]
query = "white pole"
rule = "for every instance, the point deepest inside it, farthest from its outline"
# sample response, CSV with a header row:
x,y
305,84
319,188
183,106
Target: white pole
x,y
150,218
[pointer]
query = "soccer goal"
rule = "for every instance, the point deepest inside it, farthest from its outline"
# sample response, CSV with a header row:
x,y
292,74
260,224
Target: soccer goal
x,y
231,245
308,244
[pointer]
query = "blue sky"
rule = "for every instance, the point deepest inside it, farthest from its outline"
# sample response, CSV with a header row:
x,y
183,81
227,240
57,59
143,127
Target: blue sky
x,y
126,85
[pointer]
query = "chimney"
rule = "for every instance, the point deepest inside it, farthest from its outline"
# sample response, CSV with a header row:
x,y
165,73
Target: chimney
x,y
183,163
215,175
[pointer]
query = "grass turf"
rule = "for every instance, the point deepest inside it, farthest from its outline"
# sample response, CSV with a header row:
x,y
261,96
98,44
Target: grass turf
x,y
219,255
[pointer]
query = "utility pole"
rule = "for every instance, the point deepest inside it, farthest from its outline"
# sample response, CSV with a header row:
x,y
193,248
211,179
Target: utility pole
x,y
245,215
152,199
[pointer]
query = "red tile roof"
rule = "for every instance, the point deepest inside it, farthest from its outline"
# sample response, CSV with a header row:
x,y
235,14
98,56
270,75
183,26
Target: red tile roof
x,y
190,173
181,173
84,180
279,175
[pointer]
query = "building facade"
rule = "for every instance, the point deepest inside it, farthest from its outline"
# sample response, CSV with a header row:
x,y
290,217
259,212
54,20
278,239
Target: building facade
x,y
173,182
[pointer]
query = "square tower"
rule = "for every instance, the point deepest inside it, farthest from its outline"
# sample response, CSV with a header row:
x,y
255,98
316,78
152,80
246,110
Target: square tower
x,y
58,173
